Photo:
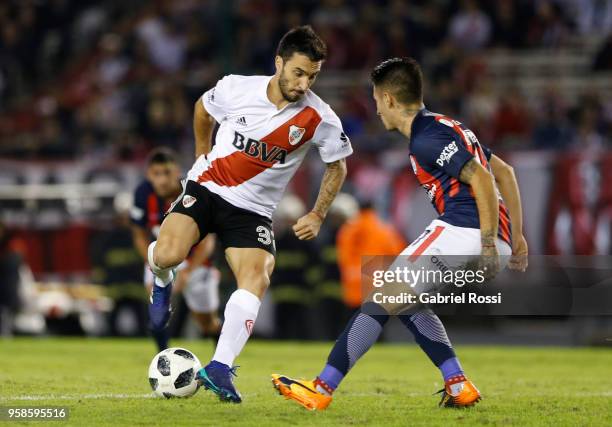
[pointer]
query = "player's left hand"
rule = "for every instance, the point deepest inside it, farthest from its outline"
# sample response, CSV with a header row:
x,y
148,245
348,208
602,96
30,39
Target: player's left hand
x,y
489,261
308,226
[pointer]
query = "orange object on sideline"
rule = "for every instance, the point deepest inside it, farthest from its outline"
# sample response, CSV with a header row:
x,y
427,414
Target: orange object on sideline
x,y
366,234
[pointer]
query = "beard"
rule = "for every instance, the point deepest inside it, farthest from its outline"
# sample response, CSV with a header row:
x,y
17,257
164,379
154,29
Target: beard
x,y
283,84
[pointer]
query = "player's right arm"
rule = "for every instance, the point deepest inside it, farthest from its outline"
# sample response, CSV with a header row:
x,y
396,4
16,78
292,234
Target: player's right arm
x,y
508,187
211,107
203,125
487,203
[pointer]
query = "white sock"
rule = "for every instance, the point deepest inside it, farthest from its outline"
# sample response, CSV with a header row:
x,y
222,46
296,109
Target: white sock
x,y
163,276
240,314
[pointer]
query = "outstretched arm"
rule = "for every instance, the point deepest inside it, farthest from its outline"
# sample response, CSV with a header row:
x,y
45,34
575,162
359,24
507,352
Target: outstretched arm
x,y
508,187
307,227
481,181
203,125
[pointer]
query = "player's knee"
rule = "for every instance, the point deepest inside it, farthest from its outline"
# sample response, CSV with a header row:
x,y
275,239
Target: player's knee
x,y
168,253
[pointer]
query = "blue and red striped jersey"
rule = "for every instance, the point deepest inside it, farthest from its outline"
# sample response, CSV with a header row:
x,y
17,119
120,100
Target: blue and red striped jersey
x,y
148,209
439,148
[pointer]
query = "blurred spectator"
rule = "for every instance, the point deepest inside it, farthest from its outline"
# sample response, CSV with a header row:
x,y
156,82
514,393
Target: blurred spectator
x,y
512,121
112,79
552,130
588,133
591,16
165,42
508,24
470,27
548,26
603,57
366,233
480,108
333,13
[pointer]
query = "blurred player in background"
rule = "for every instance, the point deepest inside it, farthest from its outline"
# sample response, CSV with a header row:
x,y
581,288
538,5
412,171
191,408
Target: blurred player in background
x,y
267,124
196,277
460,178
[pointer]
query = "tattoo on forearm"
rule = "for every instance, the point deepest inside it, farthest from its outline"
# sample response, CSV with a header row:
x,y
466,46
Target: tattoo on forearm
x,y
330,186
487,237
468,171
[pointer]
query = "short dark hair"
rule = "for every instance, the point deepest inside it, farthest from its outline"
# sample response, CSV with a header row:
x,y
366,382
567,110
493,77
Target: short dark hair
x,y
161,156
403,76
302,40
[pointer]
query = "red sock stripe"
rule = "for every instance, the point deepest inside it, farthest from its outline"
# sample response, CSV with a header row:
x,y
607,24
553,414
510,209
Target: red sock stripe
x,y
456,379
319,382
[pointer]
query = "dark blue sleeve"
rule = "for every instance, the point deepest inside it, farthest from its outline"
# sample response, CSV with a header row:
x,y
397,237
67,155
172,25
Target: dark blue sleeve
x,y
441,150
487,152
138,212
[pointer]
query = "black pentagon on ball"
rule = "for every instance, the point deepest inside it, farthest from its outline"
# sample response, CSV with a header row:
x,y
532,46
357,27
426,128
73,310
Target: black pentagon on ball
x,y
184,379
163,365
184,353
167,395
154,383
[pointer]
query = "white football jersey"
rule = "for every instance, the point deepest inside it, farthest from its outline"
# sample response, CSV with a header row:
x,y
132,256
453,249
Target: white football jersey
x,y
258,148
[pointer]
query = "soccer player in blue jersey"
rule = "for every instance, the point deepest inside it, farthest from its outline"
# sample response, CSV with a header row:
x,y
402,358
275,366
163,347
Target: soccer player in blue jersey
x,y
197,278
477,199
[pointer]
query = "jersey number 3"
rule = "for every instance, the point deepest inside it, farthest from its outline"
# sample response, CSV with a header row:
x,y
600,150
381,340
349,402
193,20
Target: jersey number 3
x,y
264,235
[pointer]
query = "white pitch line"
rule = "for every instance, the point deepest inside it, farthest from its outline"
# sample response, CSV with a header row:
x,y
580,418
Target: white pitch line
x,y
152,396
77,397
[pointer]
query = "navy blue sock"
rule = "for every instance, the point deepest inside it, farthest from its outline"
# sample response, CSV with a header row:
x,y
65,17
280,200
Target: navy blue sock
x,y
161,338
430,334
361,332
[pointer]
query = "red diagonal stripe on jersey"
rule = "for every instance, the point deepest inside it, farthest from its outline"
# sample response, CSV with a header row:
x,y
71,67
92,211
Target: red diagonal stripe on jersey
x,y
504,223
426,243
152,210
426,179
239,167
454,188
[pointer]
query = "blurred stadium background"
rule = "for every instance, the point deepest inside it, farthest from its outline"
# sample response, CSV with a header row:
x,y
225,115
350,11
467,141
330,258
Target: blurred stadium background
x,y
88,87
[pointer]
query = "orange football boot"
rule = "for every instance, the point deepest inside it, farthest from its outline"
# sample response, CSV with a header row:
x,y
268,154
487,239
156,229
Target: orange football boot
x,y
303,392
459,392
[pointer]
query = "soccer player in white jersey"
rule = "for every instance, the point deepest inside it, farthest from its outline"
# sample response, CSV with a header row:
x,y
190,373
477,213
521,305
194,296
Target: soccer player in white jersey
x,y
267,124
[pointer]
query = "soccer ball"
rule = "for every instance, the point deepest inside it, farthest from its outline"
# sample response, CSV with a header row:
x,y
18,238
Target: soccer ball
x,y
172,373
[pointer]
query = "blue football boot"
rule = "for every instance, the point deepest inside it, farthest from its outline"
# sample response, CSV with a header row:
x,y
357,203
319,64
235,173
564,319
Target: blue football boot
x,y
217,377
159,308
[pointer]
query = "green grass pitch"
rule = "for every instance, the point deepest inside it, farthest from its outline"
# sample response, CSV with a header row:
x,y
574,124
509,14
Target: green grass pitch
x,y
104,382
